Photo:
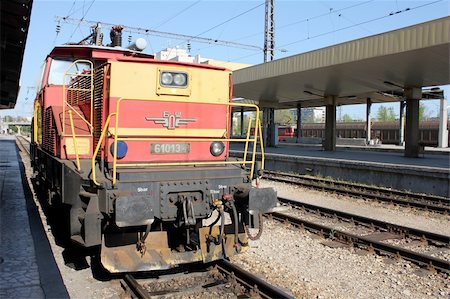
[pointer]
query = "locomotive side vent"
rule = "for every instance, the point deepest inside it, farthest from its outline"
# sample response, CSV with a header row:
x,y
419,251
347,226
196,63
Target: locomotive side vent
x,y
99,79
50,136
79,91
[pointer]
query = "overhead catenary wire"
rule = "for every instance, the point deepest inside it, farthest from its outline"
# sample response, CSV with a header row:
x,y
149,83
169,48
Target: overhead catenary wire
x,y
227,21
347,27
307,19
231,19
361,23
145,31
82,18
176,15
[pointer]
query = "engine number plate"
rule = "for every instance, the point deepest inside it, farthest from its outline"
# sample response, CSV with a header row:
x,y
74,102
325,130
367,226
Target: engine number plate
x,y
170,148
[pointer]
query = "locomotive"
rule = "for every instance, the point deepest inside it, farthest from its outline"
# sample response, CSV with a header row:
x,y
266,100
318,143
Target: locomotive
x,y
136,150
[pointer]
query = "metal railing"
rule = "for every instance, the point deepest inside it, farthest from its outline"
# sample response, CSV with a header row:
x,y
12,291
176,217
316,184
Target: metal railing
x,y
90,90
122,137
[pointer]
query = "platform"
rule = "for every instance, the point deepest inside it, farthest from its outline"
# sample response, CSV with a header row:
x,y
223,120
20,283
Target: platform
x,y
27,265
380,166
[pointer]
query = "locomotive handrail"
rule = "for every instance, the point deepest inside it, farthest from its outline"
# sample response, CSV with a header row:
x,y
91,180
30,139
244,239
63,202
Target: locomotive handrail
x,y
74,140
97,148
116,135
91,90
77,113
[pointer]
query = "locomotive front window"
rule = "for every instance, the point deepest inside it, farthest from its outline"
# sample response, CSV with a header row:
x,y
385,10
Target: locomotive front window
x,y
59,67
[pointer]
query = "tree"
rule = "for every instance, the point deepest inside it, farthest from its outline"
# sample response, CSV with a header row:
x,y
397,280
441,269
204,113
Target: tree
x,y
8,118
284,117
423,112
385,114
347,118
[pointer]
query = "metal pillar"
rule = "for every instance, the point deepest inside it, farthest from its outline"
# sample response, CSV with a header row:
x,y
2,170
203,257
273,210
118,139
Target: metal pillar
x,y
242,121
268,125
299,122
443,130
368,123
269,32
401,132
413,96
330,124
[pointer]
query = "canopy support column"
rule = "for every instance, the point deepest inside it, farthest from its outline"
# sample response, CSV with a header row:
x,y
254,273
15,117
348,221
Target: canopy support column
x,y
299,122
443,130
413,96
368,122
401,132
330,124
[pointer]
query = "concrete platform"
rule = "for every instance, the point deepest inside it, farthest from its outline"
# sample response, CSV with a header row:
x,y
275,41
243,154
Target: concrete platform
x,y
381,166
27,266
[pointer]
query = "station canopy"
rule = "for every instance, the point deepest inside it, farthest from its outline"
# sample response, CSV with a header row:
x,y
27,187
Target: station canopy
x,y
15,21
378,67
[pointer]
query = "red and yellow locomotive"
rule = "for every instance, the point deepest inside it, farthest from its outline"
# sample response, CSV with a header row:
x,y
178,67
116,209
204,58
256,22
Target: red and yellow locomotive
x,y
137,150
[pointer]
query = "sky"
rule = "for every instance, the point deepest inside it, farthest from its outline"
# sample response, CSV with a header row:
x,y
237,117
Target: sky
x,y
300,26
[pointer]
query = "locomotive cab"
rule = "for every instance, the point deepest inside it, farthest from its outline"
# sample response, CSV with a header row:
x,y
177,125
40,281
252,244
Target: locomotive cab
x,y
138,149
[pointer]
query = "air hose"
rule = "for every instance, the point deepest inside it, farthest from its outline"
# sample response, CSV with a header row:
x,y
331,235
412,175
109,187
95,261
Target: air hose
x,y
260,230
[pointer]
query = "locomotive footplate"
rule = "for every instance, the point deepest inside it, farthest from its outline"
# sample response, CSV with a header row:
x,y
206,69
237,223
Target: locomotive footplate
x,y
158,255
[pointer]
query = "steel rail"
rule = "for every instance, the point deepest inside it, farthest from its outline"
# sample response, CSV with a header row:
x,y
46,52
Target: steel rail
x,y
425,202
390,227
21,141
364,242
264,289
133,286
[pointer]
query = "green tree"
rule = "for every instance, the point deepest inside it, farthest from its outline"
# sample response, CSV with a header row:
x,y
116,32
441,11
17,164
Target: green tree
x,y
423,115
385,114
284,117
347,118
8,118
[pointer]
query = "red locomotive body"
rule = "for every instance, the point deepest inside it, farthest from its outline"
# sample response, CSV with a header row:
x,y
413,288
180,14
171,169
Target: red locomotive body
x,y
136,149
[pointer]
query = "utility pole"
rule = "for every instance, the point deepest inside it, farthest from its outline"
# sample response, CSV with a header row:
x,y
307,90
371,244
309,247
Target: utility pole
x,y
269,33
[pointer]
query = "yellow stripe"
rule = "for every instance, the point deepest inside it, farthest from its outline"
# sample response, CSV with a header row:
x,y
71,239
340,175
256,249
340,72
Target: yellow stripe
x,y
179,132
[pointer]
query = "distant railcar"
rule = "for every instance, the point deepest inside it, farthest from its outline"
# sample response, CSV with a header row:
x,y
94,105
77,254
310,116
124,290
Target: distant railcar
x,y
386,132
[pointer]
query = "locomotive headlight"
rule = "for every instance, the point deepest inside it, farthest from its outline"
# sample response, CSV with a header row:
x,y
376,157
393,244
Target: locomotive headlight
x,y
166,78
180,79
122,149
173,79
217,148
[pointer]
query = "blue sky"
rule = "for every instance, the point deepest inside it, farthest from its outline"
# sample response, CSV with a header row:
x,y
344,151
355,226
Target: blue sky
x,y
300,26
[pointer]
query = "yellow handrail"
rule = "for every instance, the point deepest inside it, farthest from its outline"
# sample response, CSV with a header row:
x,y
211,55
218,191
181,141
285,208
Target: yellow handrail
x,y
97,148
261,143
117,137
74,140
247,139
91,90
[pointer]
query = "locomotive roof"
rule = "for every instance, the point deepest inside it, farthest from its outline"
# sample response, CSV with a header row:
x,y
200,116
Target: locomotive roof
x,y
117,53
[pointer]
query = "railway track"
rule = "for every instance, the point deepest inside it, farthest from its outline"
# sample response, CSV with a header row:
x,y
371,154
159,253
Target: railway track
x,y
421,201
23,144
222,280
222,276
375,236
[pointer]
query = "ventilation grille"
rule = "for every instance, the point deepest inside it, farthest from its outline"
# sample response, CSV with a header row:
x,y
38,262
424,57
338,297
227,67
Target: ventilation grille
x,y
99,94
79,90
49,142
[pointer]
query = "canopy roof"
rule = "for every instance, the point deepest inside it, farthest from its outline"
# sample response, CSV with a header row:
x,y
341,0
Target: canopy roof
x,y
374,66
15,20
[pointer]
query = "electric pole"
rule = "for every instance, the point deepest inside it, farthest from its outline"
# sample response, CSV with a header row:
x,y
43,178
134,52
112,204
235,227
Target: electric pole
x,y
269,32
